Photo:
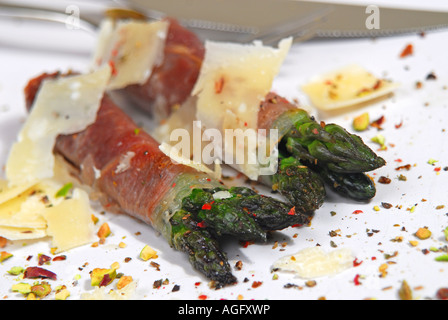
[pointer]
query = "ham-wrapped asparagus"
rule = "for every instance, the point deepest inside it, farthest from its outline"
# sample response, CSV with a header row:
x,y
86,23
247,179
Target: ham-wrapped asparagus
x,y
310,153
188,207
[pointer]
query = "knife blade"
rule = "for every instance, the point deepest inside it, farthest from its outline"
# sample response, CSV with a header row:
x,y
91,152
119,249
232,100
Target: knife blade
x,y
258,16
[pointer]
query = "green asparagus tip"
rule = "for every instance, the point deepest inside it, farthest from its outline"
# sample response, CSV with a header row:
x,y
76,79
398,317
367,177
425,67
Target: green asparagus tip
x,y
202,249
302,187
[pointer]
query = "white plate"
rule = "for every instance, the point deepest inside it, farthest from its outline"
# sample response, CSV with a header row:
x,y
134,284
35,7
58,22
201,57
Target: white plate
x,y
29,49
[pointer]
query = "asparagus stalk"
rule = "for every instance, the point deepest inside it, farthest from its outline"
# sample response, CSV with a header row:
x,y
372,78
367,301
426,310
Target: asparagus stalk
x,y
332,146
299,185
202,249
357,186
267,212
240,212
338,157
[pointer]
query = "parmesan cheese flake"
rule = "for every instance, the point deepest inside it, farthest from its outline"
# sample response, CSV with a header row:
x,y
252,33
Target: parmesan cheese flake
x,y
54,113
314,262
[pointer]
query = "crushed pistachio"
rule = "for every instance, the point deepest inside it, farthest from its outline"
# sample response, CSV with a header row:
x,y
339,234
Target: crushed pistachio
x,y
5,255
15,271
104,231
62,294
102,277
443,258
413,243
361,122
380,139
65,189
423,233
123,282
23,288
405,292
148,253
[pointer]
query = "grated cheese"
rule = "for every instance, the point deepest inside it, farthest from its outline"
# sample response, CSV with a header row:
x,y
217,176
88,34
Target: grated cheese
x,y
315,262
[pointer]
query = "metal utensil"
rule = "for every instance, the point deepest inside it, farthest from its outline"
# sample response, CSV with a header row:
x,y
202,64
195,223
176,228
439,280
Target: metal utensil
x,y
300,29
340,20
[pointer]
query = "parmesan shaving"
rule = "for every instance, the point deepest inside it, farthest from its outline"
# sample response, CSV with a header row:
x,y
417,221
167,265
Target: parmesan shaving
x,y
38,213
314,262
131,48
345,87
19,233
29,205
70,223
234,79
54,113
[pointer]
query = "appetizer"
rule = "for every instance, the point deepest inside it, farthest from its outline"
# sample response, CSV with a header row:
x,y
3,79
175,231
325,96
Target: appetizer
x,y
228,86
191,209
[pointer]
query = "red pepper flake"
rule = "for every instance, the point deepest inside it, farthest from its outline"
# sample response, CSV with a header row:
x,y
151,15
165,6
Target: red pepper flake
x,y
174,184
203,297
197,284
398,126
407,51
207,206
60,258
357,211
37,272
245,244
378,84
356,263
256,284
114,52
315,131
292,211
113,68
219,85
437,169
356,280
201,224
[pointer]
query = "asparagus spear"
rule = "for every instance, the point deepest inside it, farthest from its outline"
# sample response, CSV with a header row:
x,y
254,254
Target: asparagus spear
x,y
338,157
202,249
332,146
240,212
269,213
299,185
357,186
